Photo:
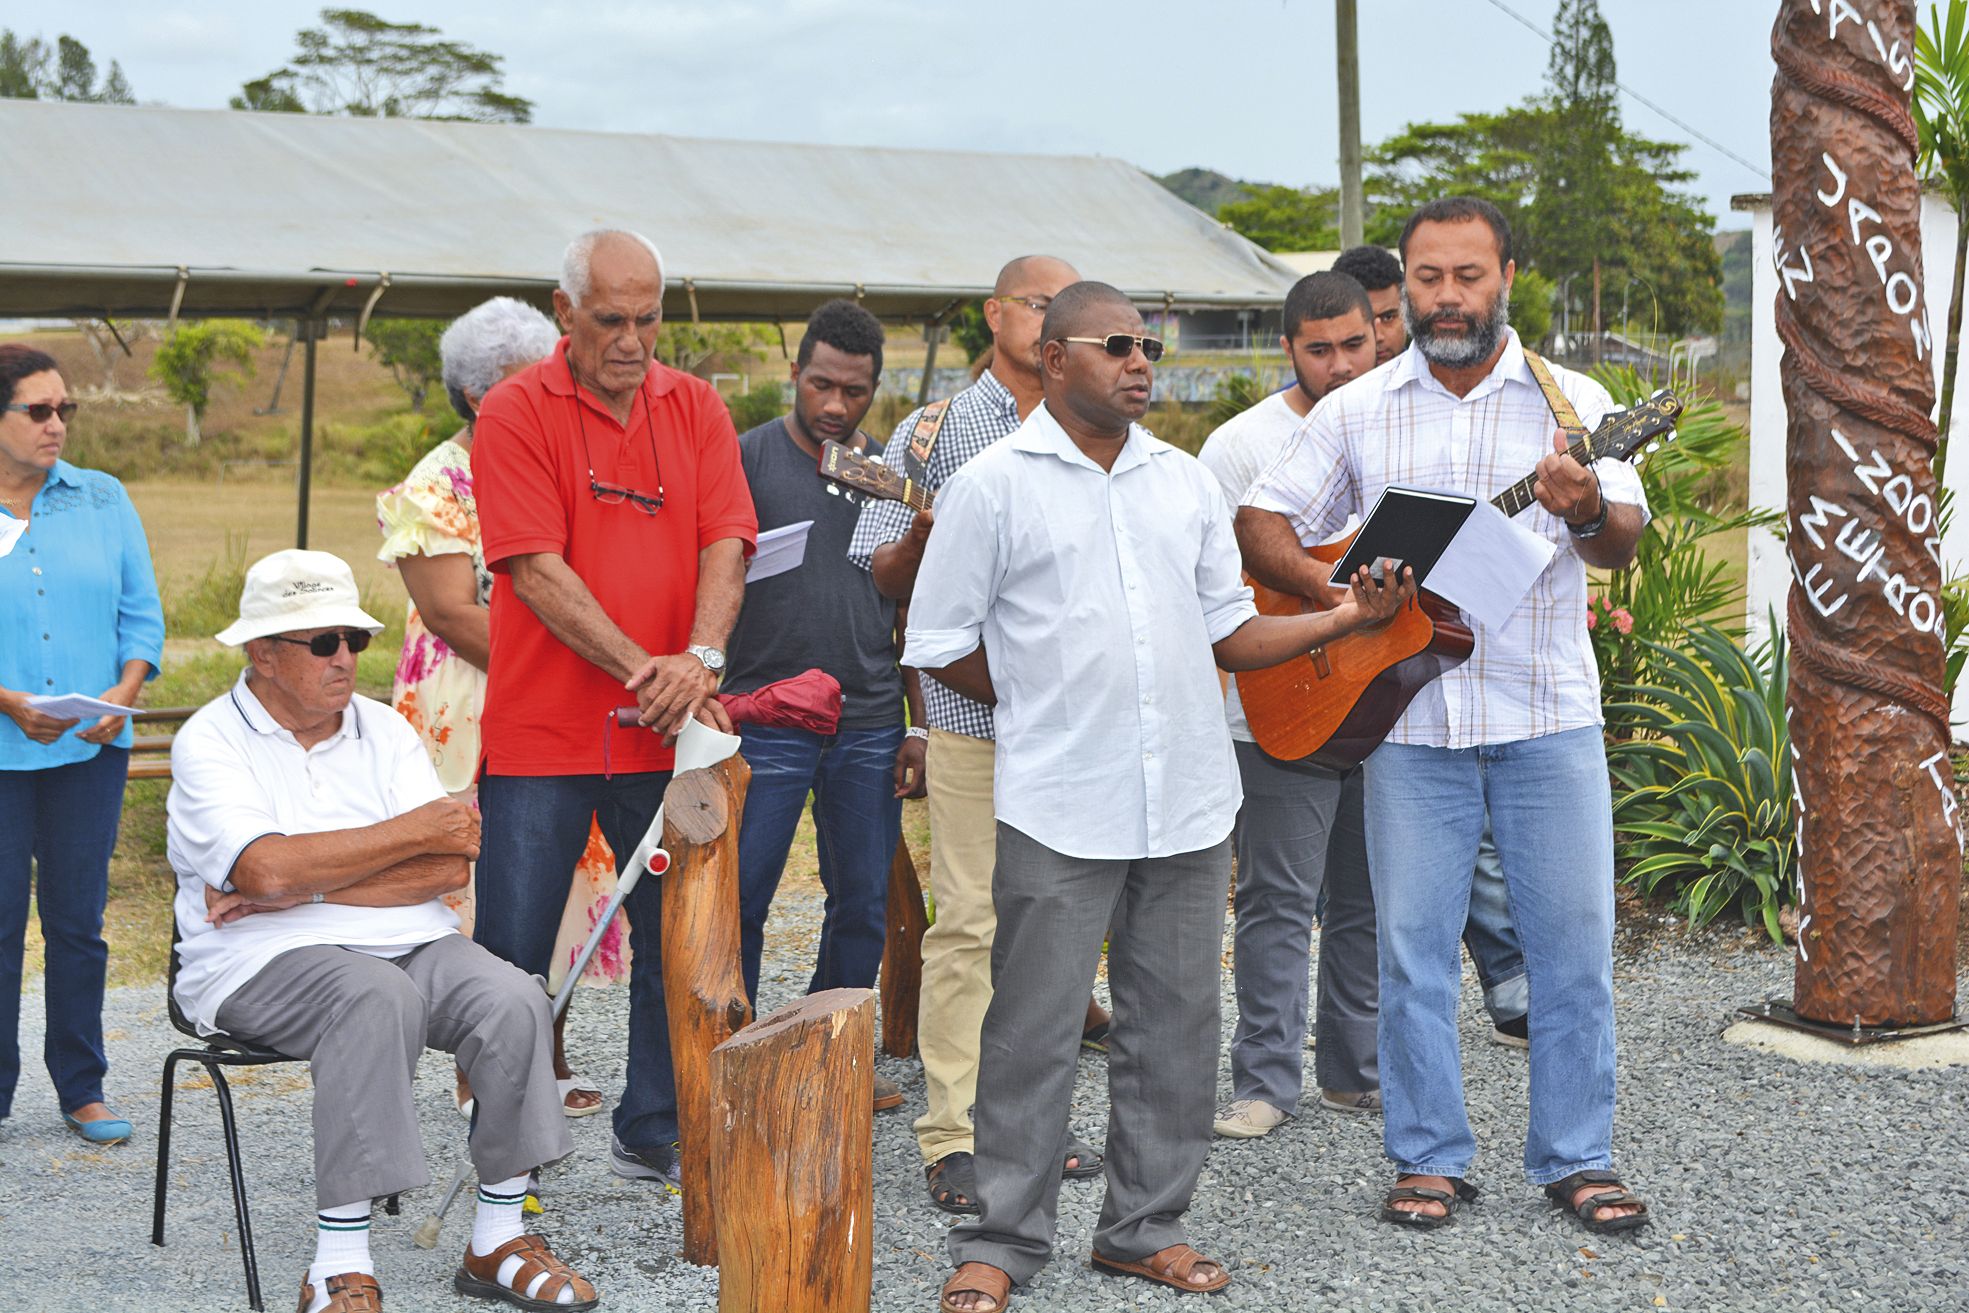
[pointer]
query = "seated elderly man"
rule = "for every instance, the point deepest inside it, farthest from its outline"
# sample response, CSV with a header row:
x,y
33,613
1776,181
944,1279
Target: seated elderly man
x,y
313,842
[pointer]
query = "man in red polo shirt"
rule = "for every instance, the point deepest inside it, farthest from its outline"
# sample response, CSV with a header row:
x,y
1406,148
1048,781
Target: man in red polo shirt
x,y
616,522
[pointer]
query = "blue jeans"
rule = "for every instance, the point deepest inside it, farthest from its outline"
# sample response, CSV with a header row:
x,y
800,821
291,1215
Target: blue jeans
x,y
857,820
1551,812
534,830
60,824
1493,944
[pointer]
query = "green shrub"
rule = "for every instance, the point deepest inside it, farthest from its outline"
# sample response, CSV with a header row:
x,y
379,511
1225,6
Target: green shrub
x,y
384,451
1236,393
1673,583
1702,794
759,404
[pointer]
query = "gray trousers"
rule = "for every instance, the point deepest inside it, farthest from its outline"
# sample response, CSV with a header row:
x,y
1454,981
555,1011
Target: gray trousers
x,y
362,1022
1302,826
1163,919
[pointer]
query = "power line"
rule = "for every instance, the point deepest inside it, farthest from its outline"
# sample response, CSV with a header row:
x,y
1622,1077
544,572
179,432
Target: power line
x,y
1689,128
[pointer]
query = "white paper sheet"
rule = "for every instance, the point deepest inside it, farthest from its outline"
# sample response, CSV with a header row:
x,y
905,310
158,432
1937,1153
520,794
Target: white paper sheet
x,y
698,745
74,706
11,530
779,550
1490,565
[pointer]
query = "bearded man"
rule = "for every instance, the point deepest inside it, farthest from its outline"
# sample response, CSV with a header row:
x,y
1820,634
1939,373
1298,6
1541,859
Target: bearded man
x,y
1515,729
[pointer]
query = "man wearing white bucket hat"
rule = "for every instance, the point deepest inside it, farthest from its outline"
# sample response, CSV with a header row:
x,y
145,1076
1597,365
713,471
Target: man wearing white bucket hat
x,y
313,844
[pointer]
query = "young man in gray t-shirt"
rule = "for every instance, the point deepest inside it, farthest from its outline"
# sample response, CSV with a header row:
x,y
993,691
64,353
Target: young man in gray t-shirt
x,y
827,614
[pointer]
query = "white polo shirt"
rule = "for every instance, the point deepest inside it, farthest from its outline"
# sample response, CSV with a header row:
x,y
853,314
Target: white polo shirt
x,y
1097,594
237,776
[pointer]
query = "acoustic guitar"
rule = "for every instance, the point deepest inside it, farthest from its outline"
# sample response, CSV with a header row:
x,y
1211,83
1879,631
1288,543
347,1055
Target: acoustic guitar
x,y
865,474
1336,704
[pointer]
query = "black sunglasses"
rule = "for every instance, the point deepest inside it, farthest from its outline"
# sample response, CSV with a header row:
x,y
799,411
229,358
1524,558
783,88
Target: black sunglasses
x,y
43,411
328,644
1119,345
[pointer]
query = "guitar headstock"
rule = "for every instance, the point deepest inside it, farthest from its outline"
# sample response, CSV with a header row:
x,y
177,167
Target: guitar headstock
x,y
854,470
1624,433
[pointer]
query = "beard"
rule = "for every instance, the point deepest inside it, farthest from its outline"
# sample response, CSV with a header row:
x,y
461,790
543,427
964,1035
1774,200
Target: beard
x,y
1471,347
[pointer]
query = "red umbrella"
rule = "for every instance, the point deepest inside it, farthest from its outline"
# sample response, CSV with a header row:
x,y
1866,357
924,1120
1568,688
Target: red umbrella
x,y
810,700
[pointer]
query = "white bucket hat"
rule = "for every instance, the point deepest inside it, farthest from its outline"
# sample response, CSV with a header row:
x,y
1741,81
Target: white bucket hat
x,y
297,589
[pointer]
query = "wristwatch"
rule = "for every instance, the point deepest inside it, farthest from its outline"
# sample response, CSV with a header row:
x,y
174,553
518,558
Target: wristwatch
x,y
1592,527
713,659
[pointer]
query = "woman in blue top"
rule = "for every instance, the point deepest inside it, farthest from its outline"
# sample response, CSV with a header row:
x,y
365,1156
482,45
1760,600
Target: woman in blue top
x,y
78,614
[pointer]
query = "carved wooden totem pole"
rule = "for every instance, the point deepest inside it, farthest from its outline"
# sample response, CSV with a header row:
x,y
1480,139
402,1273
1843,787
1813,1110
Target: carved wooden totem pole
x,y
1879,839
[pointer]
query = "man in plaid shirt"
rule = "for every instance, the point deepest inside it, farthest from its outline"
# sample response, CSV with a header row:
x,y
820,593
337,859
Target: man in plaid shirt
x,y
889,542
1515,729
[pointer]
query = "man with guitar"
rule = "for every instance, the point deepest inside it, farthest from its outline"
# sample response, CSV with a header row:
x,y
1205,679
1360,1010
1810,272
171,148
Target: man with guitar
x,y
1083,581
1300,830
1493,944
927,448
1515,729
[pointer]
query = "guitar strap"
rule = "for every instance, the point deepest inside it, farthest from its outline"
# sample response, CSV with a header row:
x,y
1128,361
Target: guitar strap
x,y
1562,411
923,438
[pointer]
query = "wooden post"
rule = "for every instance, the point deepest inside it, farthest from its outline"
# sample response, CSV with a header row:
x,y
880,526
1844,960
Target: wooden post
x,y
702,983
793,1161
902,958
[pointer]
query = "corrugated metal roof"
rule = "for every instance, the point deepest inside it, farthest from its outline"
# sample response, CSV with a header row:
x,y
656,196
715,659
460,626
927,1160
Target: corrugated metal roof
x,y
283,215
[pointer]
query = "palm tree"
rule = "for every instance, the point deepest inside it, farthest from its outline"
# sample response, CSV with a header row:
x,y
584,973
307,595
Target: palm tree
x,y
1941,113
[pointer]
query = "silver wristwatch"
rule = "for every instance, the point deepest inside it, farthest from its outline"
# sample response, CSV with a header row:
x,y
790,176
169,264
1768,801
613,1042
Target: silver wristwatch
x,y
713,659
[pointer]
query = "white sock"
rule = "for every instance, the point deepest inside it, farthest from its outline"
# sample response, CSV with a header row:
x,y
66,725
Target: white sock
x,y
500,1218
341,1246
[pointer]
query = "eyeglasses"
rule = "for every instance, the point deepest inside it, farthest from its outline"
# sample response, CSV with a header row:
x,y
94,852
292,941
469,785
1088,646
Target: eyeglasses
x,y
328,644
1037,304
43,411
613,494
1119,345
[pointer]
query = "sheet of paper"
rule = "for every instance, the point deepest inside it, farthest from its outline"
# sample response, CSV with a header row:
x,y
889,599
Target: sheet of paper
x,y
1490,565
74,706
698,745
779,550
11,530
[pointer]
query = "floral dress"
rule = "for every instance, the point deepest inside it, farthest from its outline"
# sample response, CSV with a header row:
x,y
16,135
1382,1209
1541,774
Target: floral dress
x,y
432,513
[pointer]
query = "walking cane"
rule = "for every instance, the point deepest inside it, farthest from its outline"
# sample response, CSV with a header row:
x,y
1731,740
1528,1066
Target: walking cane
x,y
650,857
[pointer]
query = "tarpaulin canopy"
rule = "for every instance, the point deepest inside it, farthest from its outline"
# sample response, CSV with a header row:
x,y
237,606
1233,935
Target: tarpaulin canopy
x,y
156,212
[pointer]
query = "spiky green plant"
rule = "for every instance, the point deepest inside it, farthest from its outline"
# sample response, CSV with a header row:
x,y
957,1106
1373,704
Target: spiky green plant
x,y
1702,792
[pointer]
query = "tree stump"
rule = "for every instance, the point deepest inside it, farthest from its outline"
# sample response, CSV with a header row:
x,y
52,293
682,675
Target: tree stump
x,y
793,1158
703,986
902,957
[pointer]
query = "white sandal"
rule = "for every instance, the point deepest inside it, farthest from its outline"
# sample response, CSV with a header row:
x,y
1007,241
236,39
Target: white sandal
x,y
577,1085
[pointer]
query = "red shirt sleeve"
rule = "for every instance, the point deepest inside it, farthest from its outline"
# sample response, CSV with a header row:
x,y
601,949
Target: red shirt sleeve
x,y
724,500
516,479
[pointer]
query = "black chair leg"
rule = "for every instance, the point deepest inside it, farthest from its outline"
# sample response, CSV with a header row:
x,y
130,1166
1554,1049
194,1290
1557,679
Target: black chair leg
x,y
163,1147
238,1187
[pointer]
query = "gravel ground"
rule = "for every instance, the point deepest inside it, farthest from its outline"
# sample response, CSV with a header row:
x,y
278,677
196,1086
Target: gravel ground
x,y
1774,1184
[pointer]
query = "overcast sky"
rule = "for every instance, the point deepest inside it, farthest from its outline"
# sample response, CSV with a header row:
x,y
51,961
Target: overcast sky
x,y
1242,86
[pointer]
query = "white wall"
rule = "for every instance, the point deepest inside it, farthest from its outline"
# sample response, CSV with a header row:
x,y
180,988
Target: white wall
x,y
1769,574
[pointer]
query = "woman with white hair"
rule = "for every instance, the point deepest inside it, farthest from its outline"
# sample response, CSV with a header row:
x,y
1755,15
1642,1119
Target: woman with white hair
x,y
431,535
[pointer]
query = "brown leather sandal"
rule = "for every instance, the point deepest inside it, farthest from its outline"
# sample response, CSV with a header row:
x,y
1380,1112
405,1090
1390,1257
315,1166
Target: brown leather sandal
x,y
479,1277
976,1279
1167,1267
351,1292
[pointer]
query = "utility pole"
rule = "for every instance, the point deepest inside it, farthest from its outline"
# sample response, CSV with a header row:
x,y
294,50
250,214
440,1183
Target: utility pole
x,y
1352,214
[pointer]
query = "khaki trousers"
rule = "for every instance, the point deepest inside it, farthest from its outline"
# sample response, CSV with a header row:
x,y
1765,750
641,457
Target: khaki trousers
x,y
956,986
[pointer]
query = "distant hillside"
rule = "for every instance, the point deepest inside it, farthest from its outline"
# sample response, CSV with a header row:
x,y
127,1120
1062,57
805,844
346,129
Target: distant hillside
x,y
1206,189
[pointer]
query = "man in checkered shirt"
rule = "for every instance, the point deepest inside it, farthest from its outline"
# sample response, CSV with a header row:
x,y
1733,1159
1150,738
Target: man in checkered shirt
x,y
889,542
1515,728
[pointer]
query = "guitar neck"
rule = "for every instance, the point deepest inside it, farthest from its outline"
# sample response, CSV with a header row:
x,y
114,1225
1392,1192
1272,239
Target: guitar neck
x,y
1518,496
916,496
